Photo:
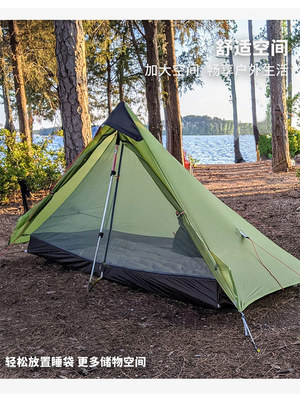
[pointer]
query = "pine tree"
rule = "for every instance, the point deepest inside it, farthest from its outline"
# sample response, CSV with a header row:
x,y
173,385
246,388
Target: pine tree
x,y
73,95
172,101
238,158
290,83
152,80
253,96
19,82
280,144
9,122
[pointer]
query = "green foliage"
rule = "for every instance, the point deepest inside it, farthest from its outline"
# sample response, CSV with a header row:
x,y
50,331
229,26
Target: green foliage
x,y
196,38
192,160
39,62
265,143
265,146
112,63
294,141
40,166
37,47
293,106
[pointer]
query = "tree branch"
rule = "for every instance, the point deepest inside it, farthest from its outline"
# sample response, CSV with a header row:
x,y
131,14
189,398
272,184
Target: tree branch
x,y
138,28
136,47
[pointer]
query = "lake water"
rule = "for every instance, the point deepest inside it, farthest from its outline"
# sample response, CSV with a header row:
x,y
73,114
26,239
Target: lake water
x,y
210,149
218,149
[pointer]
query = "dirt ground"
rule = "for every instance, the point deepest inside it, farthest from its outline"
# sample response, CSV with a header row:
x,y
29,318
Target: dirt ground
x,y
46,311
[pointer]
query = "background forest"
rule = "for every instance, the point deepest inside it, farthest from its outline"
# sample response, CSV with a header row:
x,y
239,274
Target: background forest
x,y
76,72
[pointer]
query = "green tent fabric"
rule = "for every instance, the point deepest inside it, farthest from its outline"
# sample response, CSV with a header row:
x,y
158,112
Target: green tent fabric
x,y
164,231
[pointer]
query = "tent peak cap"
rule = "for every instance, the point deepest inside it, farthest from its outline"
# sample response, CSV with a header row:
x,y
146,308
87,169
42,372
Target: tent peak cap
x,y
120,120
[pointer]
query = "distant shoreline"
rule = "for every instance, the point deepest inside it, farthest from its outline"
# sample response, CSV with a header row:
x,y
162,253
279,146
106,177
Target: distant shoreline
x,y
164,134
213,134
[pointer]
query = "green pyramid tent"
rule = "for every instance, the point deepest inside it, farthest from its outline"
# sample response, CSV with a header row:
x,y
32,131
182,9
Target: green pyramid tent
x,y
147,222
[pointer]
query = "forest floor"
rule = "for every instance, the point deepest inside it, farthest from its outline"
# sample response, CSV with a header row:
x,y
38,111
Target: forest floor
x,y
46,311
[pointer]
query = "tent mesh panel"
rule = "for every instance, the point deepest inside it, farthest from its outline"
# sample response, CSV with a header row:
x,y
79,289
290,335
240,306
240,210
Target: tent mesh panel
x,y
146,234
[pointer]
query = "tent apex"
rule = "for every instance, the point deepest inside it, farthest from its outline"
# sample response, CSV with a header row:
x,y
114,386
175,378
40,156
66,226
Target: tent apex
x,y
120,120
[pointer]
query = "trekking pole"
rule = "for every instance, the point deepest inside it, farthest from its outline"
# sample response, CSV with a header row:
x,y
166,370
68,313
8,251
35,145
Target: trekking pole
x,y
113,204
101,234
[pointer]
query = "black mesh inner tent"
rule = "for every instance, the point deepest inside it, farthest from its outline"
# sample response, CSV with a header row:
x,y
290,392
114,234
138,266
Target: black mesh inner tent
x,y
144,233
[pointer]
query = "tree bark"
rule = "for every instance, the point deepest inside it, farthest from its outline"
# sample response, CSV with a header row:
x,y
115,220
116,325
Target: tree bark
x,y
280,145
238,158
152,81
19,82
30,118
290,83
72,87
121,80
253,95
9,122
172,106
108,88
167,111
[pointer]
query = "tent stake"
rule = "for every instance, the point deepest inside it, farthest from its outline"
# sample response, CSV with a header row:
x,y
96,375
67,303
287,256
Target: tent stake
x,y
100,236
248,332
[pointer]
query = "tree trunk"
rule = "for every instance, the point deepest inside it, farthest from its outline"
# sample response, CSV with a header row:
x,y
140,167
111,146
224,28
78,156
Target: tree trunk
x,y
19,82
238,158
280,145
167,111
152,81
121,80
167,128
173,108
72,87
9,123
108,87
290,84
253,96
30,118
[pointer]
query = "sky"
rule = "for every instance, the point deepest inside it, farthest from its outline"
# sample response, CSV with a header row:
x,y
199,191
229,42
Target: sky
x,y
212,98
